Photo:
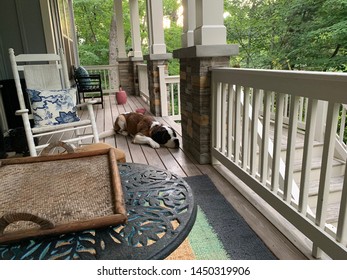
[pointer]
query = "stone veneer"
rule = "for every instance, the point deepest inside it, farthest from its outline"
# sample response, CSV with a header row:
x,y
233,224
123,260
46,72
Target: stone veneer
x,y
128,76
154,85
153,61
195,86
136,77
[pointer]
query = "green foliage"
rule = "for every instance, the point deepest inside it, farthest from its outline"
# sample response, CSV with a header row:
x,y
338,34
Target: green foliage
x,y
173,42
272,34
93,19
172,34
321,42
289,34
170,9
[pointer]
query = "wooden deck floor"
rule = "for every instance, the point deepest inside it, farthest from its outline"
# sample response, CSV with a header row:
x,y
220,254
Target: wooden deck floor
x,y
180,162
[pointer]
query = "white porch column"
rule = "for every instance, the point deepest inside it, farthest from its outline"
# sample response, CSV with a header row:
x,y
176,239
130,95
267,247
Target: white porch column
x,y
120,29
74,35
189,23
155,27
135,28
210,29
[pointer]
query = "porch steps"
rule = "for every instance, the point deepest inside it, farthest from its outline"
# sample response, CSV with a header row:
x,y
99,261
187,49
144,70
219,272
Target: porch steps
x,y
333,200
337,173
299,150
336,180
338,168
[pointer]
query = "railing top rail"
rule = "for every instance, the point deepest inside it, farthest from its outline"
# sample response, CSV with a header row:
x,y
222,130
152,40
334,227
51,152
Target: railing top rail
x,y
99,67
265,72
330,86
172,79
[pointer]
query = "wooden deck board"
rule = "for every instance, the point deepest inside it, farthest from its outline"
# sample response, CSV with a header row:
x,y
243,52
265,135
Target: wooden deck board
x,y
122,143
152,157
170,162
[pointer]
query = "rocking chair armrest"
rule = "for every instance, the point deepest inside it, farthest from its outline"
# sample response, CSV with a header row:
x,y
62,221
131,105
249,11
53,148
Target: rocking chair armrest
x,y
21,112
92,102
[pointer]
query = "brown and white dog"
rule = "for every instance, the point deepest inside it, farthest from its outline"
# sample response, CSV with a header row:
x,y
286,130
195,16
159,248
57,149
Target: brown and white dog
x,y
144,130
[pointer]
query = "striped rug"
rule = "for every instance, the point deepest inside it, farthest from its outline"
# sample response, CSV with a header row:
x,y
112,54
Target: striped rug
x,y
219,232
202,244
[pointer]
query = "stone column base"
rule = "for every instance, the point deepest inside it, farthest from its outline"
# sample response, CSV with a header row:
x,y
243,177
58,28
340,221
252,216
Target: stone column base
x,y
136,61
128,77
195,87
153,61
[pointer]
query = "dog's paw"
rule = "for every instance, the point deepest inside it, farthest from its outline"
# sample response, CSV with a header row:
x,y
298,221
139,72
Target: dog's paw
x,y
154,145
124,133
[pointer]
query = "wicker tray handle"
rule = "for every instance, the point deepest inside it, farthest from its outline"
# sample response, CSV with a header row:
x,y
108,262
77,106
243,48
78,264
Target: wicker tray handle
x,y
7,219
69,148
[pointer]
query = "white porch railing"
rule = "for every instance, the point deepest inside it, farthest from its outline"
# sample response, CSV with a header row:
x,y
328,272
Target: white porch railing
x,y
238,142
143,82
170,94
108,76
342,131
169,89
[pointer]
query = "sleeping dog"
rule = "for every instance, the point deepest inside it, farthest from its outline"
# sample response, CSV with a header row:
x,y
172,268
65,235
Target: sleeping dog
x,y
144,130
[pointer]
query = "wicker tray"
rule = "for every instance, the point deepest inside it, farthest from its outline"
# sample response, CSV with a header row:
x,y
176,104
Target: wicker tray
x,y
59,193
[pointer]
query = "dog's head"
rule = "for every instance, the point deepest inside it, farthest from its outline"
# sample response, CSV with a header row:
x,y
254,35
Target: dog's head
x,y
166,136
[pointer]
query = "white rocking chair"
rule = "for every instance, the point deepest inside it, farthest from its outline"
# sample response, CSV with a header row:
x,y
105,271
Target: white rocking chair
x,y
52,100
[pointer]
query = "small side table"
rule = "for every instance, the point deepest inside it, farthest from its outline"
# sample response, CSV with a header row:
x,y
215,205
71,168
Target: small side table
x,y
161,212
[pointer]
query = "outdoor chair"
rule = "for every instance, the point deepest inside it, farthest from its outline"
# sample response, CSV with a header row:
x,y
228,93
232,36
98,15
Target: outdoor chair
x,y
89,86
51,102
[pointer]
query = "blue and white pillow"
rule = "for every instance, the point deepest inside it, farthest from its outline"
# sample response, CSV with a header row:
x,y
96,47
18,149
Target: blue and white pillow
x,y
53,107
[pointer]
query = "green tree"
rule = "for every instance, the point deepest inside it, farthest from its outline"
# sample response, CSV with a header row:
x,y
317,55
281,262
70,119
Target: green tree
x,y
318,39
289,34
173,42
93,19
173,34
258,27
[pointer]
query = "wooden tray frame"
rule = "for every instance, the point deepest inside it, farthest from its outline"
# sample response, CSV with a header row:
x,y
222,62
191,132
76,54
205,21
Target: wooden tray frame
x,y
119,216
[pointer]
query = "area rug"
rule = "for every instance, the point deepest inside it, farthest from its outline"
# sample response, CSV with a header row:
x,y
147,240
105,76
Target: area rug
x,y
219,233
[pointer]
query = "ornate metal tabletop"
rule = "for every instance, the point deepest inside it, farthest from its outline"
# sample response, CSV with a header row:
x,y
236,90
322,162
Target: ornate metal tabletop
x,y
161,212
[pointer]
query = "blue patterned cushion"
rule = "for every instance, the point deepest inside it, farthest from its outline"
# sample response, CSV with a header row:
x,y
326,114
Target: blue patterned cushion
x,y
52,107
82,72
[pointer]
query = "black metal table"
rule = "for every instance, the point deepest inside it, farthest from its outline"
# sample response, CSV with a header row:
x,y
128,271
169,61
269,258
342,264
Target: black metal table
x,y
161,212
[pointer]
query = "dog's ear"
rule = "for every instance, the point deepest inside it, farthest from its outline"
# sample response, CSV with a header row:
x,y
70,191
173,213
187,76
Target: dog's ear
x,y
116,126
160,135
120,123
173,132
